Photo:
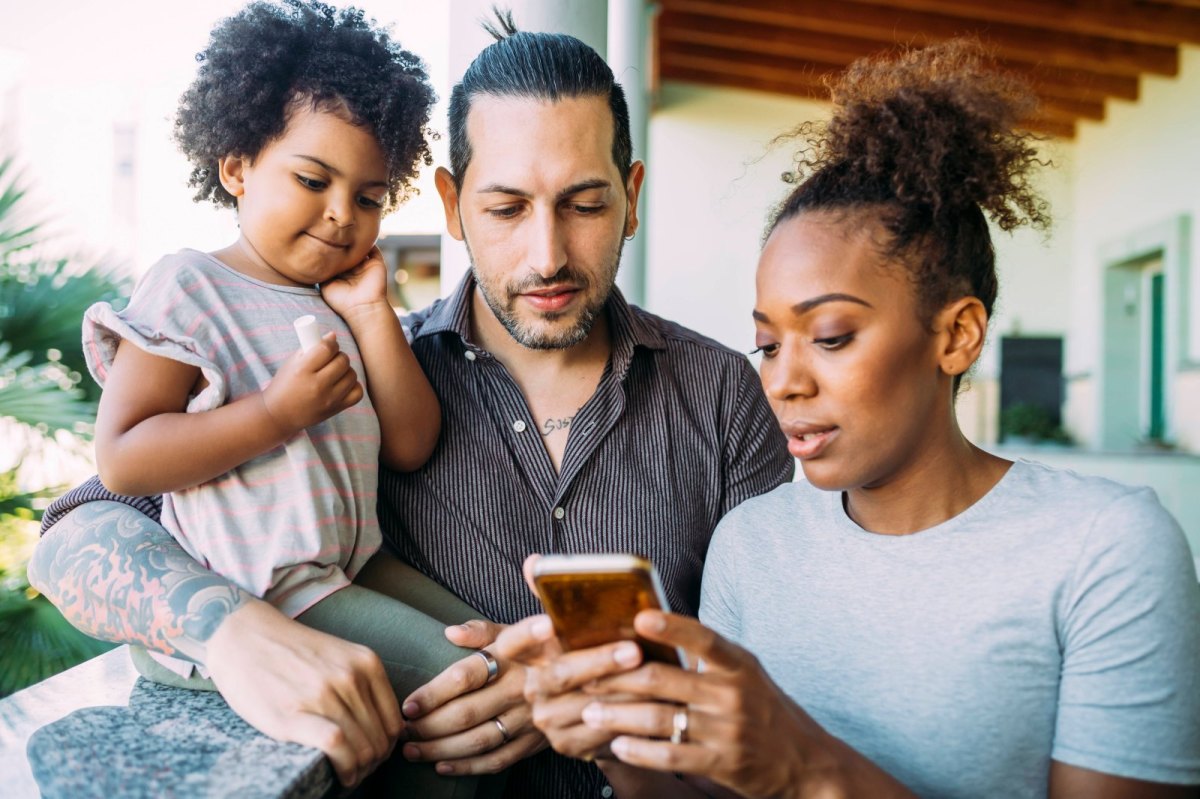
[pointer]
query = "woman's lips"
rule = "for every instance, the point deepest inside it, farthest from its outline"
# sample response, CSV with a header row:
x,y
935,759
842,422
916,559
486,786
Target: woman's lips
x,y
810,443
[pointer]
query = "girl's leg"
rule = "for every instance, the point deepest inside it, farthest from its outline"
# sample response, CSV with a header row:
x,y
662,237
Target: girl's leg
x,y
389,575
414,649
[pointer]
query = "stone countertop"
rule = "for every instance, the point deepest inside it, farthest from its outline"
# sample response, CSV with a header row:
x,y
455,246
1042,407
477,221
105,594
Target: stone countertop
x,y
98,730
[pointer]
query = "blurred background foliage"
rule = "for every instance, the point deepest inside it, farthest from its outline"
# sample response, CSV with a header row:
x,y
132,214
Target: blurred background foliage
x,y
46,397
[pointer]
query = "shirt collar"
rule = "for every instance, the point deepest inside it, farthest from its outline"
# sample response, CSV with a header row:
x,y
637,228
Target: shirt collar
x,y
628,330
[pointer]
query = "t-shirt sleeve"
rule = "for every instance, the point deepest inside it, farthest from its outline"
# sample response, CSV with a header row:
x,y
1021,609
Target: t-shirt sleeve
x,y
756,457
165,317
1129,701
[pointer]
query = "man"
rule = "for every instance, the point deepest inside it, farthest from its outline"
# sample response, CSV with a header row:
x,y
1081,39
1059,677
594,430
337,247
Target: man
x,y
571,422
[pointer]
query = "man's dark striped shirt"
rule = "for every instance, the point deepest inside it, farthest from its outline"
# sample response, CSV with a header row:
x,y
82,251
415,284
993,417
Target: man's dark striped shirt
x,y
677,434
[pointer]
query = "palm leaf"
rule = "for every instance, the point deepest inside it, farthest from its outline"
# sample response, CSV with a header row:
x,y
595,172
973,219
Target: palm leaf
x,y
37,396
16,233
38,641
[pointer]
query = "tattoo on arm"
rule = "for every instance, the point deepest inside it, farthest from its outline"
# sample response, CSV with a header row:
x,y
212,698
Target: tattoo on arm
x,y
554,425
118,576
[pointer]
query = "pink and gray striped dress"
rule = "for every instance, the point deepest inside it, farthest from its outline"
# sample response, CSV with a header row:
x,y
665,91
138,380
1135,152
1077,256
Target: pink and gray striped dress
x,y
292,525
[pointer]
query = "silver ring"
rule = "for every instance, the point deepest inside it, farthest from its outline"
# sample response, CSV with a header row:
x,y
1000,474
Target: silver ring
x,y
504,736
679,725
493,668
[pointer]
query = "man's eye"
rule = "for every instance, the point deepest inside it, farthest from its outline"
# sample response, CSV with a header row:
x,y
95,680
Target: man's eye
x,y
587,209
311,183
507,212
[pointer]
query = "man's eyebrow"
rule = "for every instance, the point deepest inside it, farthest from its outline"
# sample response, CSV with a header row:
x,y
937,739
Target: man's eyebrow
x,y
337,173
801,308
575,188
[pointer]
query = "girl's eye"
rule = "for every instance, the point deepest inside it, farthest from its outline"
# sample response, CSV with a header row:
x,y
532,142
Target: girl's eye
x,y
834,342
311,183
370,202
767,350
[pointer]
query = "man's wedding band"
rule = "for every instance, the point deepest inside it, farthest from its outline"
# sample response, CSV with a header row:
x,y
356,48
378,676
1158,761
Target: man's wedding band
x,y
679,726
504,736
493,668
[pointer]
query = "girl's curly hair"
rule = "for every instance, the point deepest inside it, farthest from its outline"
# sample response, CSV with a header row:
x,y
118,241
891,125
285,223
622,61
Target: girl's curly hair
x,y
930,137
270,57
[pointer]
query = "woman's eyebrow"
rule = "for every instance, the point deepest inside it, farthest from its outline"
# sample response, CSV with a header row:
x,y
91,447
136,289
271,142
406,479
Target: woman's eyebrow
x,y
802,308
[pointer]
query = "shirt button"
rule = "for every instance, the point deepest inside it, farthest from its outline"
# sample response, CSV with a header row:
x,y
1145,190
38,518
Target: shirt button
x,y
606,791
519,426
559,512
470,355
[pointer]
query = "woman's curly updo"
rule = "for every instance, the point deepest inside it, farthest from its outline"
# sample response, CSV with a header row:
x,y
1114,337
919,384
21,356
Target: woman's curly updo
x,y
273,57
930,139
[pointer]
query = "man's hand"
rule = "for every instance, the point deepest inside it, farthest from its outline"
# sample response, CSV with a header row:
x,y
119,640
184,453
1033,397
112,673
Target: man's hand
x,y
296,684
452,718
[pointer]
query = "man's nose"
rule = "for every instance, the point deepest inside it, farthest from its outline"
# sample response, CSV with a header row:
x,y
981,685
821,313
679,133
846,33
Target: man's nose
x,y
546,249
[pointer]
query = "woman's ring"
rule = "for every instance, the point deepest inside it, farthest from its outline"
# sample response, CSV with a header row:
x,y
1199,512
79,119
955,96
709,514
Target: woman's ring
x,y
504,736
679,726
493,668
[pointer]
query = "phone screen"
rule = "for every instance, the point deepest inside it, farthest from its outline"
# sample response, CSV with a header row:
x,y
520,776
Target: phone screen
x,y
590,608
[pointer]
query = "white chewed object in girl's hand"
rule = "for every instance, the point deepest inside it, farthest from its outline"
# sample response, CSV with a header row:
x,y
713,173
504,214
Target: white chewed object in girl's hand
x,y
308,331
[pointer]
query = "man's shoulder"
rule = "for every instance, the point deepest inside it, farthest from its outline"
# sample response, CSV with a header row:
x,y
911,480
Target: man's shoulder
x,y
682,341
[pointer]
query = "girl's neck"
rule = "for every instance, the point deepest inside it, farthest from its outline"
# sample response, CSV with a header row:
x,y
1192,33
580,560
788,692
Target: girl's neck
x,y
939,484
242,257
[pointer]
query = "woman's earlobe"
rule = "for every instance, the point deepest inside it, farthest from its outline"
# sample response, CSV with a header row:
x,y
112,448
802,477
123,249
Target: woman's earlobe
x,y
965,325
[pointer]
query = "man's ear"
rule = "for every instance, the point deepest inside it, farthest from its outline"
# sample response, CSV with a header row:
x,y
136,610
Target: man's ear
x,y
449,193
231,170
961,328
633,189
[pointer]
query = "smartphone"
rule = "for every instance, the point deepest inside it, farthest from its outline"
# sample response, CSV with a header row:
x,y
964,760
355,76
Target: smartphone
x,y
592,599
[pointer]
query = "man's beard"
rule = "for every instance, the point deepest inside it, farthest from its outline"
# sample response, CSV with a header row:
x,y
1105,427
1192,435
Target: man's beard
x,y
504,306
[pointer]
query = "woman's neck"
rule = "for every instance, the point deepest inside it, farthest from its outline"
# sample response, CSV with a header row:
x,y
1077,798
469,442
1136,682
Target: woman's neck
x,y
938,484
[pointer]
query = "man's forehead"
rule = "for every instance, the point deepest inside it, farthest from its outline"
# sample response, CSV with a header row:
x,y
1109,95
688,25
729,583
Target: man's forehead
x,y
537,144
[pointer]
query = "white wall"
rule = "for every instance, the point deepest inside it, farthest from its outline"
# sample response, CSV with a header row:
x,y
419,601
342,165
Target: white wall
x,y
1137,169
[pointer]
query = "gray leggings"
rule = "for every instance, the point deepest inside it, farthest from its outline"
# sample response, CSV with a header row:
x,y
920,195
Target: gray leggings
x,y
401,615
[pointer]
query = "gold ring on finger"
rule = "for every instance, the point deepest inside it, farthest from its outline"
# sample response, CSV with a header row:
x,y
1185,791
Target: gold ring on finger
x,y
679,725
504,736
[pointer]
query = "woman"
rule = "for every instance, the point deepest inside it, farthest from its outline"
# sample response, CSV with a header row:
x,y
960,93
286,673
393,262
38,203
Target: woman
x,y
927,618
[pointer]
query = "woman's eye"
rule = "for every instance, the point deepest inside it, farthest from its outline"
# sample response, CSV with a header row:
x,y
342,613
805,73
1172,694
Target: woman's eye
x,y
766,350
834,342
311,183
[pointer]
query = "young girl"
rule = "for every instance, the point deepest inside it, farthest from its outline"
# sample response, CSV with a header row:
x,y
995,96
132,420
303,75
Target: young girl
x,y
309,122
925,618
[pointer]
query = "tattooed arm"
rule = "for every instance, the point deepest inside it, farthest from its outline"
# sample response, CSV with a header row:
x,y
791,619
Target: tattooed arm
x,y
117,575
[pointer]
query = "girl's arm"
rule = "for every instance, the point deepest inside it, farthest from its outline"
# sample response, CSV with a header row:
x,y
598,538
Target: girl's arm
x,y
147,444
409,416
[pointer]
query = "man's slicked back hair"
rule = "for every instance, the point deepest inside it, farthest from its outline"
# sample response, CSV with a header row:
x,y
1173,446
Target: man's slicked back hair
x,y
536,66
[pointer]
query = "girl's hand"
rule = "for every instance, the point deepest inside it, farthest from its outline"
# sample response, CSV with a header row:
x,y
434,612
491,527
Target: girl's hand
x,y
360,288
312,386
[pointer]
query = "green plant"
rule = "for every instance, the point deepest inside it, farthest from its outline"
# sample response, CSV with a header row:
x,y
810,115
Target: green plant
x,y
43,395
1033,422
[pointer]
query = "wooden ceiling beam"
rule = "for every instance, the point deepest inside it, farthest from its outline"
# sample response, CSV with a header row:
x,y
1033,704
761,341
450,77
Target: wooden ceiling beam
x,y
815,73
809,90
813,76
1129,20
739,37
892,26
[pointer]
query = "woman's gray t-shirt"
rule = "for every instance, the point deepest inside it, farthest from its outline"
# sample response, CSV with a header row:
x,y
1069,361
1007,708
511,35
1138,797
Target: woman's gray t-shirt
x,y
1056,618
